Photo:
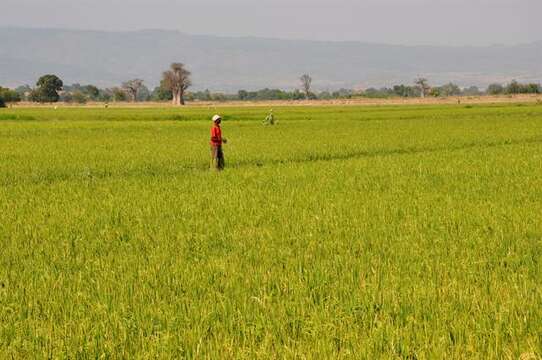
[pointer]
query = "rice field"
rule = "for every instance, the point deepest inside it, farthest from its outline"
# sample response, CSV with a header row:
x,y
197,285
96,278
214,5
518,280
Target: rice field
x,y
396,232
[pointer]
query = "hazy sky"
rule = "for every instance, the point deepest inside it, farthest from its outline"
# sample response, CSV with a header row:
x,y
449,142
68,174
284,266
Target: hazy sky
x,y
447,22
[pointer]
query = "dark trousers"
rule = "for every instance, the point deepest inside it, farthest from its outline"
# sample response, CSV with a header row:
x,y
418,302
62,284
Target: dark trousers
x,y
217,157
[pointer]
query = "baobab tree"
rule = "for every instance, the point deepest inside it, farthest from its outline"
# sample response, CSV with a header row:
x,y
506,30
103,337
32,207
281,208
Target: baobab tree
x,y
423,85
306,83
132,87
177,80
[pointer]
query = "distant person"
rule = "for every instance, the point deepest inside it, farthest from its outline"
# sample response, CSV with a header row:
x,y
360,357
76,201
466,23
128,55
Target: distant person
x,y
217,155
270,119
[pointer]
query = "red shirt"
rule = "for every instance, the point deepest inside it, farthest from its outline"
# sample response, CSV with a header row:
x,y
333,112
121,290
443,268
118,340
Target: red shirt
x,y
216,135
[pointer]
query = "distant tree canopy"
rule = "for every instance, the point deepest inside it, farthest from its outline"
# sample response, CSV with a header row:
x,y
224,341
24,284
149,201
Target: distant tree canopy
x,y
82,93
47,89
79,97
9,96
306,84
132,88
423,86
177,80
269,94
144,94
91,91
449,89
23,91
117,94
471,91
405,91
162,93
515,87
495,89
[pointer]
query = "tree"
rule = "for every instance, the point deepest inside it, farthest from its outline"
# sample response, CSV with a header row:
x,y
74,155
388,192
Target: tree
x,y
242,95
118,94
297,95
79,97
471,91
144,94
406,91
219,97
161,93
105,95
24,91
532,88
91,91
48,88
9,95
423,85
132,88
66,97
449,89
374,93
513,88
517,88
177,80
324,95
306,83
495,89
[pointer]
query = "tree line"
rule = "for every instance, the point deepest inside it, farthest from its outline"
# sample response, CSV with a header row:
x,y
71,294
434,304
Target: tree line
x,y
51,89
176,81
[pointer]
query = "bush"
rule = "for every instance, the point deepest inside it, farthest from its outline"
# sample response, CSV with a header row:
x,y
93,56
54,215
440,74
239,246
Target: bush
x,y
2,103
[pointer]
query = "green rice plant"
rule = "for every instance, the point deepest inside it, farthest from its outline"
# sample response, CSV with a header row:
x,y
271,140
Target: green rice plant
x,y
350,232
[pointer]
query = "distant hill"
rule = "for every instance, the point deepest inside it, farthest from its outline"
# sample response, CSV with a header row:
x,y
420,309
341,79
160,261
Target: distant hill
x,y
229,64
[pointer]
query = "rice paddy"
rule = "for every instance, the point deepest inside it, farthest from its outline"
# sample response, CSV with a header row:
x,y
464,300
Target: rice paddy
x,y
341,232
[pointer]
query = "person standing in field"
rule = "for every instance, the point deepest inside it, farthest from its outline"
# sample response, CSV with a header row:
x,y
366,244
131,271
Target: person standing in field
x,y
217,155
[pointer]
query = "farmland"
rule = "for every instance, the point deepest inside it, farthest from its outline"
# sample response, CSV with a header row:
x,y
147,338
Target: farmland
x,y
351,232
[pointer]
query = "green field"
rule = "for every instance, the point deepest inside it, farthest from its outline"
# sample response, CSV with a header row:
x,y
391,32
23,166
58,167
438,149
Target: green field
x,y
342,232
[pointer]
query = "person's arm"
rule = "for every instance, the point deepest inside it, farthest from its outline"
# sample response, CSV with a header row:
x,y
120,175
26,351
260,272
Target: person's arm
x,y
221,139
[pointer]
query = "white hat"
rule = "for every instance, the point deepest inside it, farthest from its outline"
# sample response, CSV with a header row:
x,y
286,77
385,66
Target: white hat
x,y
216,118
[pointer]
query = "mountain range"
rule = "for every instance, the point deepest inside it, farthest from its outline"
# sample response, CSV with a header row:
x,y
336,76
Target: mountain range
x,y
229,63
